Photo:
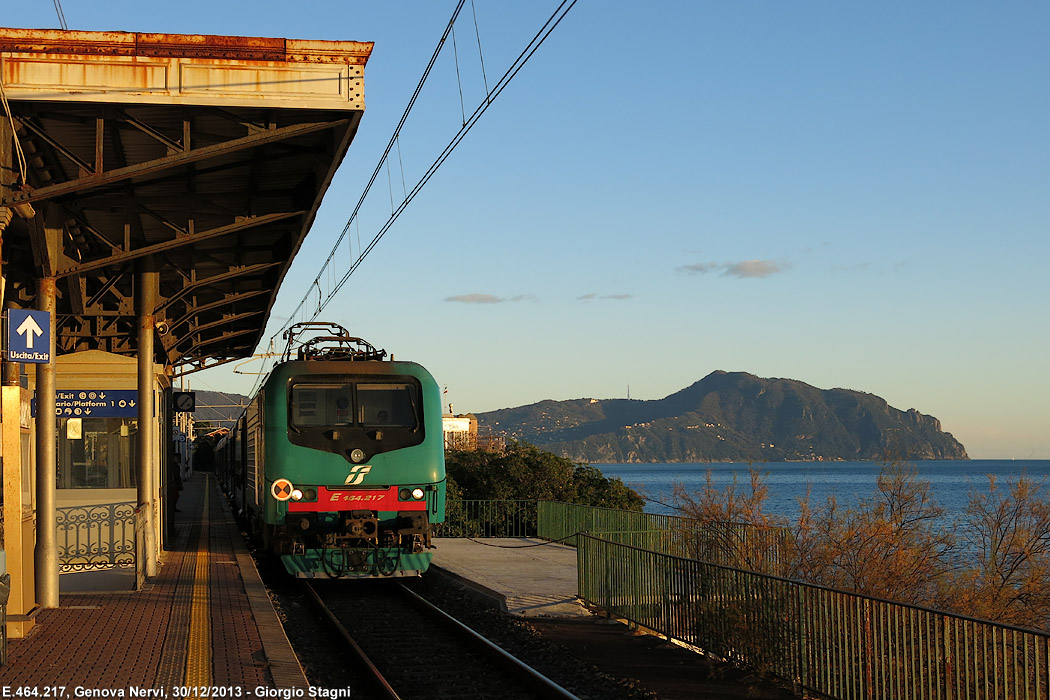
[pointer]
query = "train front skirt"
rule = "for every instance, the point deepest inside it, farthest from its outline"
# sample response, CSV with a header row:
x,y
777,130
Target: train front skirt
x,y
378,562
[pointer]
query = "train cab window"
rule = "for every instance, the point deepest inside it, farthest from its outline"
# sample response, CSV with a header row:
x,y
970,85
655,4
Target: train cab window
x,y
342,413
387,405
317,405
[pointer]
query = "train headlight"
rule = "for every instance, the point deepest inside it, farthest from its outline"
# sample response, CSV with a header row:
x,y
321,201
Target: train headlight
x,y
417,493
297,494
357,455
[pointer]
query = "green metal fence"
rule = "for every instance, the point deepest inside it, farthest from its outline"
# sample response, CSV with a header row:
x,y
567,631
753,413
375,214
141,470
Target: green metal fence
x,y
474,518
731,544
838,644
559,520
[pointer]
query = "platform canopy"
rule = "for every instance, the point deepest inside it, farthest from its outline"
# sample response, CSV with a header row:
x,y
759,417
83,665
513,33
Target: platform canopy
x,y
204,158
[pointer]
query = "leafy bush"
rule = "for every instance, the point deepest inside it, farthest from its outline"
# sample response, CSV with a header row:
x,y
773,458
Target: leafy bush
x,y
524,471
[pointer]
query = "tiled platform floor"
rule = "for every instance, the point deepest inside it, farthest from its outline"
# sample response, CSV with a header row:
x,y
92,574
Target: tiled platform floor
x,y
123,639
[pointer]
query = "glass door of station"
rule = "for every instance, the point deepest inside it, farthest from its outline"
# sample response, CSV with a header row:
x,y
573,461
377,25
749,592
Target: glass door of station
x,y
97,453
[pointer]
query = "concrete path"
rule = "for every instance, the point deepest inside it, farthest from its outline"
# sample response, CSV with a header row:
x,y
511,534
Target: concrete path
x,y
524,576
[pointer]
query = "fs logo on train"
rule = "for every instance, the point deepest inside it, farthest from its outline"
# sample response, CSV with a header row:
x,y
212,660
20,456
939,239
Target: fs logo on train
x,y
357,474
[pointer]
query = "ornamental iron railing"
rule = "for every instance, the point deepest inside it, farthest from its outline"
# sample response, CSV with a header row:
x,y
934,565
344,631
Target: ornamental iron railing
x,y
96,536
835,643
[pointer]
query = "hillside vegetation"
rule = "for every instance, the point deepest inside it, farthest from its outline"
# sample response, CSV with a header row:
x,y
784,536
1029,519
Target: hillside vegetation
x,y
729,416
219,408
525,472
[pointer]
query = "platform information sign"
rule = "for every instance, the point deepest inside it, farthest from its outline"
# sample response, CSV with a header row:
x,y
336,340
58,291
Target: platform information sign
x,y
28,336
95,403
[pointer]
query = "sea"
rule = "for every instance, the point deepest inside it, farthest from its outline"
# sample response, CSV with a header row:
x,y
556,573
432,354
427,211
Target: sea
x,y
951,481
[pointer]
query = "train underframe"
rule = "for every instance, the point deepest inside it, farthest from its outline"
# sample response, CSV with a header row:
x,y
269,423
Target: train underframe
x,y
354,544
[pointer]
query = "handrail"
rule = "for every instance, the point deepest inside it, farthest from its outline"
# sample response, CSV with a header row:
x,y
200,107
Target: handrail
x,y
489,518
837,643
754,547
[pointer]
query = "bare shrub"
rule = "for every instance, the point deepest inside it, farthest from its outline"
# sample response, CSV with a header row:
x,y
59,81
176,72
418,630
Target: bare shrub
x,y
1007,533
993,564
892,545
732,527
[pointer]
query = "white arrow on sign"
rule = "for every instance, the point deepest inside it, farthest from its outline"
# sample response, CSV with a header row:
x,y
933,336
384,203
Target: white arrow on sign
x,y
30,329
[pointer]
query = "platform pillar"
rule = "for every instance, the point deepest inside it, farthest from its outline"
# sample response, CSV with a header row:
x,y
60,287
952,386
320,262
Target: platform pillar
x,y
46,553
18,515
146,291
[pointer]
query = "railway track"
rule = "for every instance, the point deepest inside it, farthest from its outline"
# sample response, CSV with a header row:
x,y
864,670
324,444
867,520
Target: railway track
x,y
410,649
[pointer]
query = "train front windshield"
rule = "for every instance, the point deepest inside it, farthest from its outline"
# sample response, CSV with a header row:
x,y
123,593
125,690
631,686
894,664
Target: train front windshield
x,y
339,414
387,405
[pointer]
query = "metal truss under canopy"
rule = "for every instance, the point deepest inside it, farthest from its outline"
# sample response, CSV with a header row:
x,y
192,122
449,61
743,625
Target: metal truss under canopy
x,y
204,158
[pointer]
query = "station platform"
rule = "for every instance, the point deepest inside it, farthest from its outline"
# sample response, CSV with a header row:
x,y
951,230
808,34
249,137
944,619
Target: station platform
x,y
204,620
521,575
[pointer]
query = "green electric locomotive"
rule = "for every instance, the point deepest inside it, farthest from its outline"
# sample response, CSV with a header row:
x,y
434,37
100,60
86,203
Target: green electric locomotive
x,y
340,459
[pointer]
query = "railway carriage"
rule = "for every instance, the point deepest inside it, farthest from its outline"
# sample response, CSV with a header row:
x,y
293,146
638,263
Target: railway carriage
x,y
338,461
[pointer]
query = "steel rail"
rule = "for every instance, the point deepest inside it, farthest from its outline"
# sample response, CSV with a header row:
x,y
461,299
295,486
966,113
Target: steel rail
x,y
384,687
533,681
545,685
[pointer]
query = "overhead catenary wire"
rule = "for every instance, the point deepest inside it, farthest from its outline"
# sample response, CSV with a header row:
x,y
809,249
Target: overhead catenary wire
x,y
519,63
481,54
490,96
401,164
294,315
393,138
22,168
459,79
20,155
515,67
61,14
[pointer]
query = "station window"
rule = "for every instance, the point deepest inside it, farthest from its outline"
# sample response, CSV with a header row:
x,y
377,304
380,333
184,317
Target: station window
x,y
96,453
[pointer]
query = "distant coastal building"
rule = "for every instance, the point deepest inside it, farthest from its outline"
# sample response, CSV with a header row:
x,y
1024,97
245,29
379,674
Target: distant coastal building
x,y
461,433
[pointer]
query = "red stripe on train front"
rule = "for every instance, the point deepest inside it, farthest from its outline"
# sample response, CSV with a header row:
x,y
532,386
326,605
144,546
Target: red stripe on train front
x,y
330,500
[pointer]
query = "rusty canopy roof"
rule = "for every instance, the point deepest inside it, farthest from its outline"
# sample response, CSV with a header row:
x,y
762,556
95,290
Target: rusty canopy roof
x,y
206,156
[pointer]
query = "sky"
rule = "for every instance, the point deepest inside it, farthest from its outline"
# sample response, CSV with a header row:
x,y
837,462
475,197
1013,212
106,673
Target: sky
x,y
850,195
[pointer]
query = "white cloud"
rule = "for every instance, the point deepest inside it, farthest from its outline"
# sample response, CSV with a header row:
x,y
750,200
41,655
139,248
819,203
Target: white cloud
x,y
754,268
744,268
488,298
475,299
614,297
700,268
